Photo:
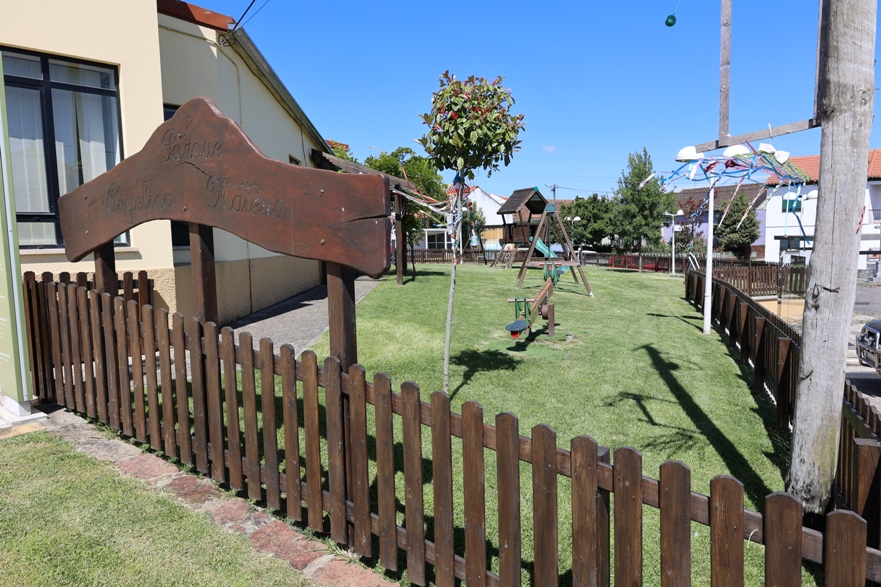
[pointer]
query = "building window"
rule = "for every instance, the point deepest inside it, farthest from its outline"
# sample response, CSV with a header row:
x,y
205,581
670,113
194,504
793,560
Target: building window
x,y
293,160
64,130
436,240
791,205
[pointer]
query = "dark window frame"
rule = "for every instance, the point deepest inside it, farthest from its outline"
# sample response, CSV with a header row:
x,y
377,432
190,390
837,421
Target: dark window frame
x,y
45,87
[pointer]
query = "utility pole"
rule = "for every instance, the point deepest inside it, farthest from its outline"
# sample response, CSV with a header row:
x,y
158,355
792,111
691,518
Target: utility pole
x,y
845,97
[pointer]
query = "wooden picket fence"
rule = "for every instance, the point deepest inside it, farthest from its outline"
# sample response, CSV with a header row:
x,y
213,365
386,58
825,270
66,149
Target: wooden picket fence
x,y
771,347
188,390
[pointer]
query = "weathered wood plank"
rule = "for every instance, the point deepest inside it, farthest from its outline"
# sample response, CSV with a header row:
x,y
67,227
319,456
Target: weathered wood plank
x,y
544,513
585,528
215,403
508,472
249,403
726,531
123,376
360,481
75,350
442,485
178,341
293,498
475,494
336,463
270,430
675,499
167,382
85,350
844,549
783,541
140,417
197,380
385,472
413,503
233,425
315,512
628,517
154,411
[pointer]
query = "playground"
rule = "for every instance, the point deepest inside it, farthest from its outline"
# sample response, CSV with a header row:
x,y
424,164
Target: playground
x,y
627,367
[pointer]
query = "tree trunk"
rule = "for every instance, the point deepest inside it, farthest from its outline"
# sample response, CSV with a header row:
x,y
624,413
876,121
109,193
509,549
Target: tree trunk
x,y
845,101
457,243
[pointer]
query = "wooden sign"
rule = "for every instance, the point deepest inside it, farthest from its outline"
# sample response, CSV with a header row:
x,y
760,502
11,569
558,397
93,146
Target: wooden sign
x,y
199,167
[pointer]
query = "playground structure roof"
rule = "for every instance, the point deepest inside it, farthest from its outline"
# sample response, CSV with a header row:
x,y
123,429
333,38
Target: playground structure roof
x,y
530,198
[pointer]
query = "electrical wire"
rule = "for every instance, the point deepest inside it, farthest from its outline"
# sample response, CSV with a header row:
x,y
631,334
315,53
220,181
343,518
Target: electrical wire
x,y
256,13
243,15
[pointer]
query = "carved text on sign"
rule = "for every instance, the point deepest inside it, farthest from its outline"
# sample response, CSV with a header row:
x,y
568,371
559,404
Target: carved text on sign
x,y
148,200
242,199
179,147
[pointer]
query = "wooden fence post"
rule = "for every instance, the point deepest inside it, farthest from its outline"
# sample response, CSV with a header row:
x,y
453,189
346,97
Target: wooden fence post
x,y
781,375
867,486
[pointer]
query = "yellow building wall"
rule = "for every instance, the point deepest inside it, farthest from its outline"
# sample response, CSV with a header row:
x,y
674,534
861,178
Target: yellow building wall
x,y
115,32
196,61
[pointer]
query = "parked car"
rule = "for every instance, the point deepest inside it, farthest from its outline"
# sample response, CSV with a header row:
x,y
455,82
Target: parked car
x,y
869,345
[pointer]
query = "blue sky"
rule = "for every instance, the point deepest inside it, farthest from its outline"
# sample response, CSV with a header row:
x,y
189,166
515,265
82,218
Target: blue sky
x,y
595,81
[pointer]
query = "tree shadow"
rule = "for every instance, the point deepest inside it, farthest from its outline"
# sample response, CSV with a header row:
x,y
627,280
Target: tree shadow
x,y
753,484
481,361
675,441
682,318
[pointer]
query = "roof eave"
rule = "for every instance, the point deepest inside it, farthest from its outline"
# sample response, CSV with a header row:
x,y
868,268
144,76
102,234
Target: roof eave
x,y
259,66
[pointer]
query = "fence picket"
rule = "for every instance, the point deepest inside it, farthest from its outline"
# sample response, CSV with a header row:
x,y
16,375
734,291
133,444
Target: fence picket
x,y
143,289
314,497
508,472
55,340
442,482
544,511
215,403
413,503
844,549
675,502
178,341
293,499
249,403
86,349
197,380
360,481
101,369
161,319
140,417
128,287
336,458
66,360
233,425
628,517
726,531
782,537
270,432
475,494
76,356
385,472
585,556
124,381
154,415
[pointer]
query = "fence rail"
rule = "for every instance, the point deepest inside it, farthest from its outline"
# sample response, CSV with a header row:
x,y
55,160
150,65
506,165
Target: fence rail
x,y
125,364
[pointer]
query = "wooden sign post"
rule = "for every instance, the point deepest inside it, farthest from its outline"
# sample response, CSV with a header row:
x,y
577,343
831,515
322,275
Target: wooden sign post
x,y
200,168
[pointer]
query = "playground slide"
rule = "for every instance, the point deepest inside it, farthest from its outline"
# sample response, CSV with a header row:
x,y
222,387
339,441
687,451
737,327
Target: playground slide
x,y
544,249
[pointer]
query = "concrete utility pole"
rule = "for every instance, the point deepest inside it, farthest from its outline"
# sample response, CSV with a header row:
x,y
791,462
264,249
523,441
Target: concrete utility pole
x,y
846,91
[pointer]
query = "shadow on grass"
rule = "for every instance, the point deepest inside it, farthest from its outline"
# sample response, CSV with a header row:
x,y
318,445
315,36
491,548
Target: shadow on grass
x,y
753,484
677,440
683,318
481,361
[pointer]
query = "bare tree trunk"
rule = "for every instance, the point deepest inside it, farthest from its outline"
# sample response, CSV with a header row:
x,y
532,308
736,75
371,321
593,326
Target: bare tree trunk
x,y
846,95
457,243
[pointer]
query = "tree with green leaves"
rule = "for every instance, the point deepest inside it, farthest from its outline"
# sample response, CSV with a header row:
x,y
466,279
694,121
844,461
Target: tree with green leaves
x,y
403,162
595,222
470,127
341,150
641,204
740,228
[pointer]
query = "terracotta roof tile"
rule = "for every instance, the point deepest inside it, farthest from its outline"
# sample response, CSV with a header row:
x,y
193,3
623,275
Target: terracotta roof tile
x,y
194,14
810,164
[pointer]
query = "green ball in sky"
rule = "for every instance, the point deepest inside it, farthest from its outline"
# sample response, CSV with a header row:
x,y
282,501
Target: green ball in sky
x,y
671,20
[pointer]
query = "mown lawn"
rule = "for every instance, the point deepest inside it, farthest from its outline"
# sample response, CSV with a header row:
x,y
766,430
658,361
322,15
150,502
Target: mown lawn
x,y
628,367
67,518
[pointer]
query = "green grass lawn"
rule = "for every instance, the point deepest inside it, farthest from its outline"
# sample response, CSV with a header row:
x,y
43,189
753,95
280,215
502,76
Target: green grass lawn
x,y
629,367
68,519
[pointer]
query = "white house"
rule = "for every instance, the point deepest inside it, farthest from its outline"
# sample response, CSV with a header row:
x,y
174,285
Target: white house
x,y
790,211
437,238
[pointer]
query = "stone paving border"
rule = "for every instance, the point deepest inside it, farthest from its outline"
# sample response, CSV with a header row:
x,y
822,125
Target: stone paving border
x,y
267,534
